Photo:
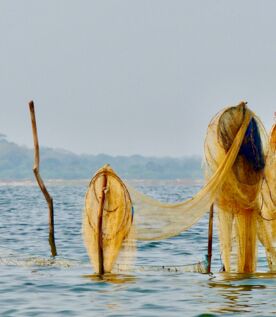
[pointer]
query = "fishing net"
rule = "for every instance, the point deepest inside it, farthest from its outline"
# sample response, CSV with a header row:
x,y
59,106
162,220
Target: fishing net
x,y
236,154
269,183
198,267
267,218
107,223
244,200
237,200
155,220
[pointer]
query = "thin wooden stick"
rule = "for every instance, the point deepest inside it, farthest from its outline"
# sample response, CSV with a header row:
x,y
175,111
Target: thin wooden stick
x,y
40,182
210,238
100,224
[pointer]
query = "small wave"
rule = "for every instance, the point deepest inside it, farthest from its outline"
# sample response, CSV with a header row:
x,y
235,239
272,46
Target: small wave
x,y
12,258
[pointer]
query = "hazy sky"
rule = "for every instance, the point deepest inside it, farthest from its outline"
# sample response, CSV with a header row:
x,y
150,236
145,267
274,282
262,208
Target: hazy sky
x,y
127,77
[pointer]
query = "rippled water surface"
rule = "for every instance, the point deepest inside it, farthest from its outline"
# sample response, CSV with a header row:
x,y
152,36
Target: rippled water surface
x,y
34,284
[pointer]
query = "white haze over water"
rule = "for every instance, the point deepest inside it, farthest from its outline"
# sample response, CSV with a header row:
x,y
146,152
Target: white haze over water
x,y
125,77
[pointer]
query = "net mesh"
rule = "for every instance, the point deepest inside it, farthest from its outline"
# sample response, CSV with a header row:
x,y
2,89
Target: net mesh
x,y
237,200
155,220
269,183
267,218
240,182
115,233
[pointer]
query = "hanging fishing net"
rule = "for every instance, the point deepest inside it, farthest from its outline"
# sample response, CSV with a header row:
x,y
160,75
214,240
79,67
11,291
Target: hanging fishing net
x,y
237,201
107,222
235,160
269,183
244,203
267,223
155,220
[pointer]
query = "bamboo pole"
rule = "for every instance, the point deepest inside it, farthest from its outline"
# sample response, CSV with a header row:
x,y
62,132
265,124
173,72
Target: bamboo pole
x,y
210,237
40,182
100,224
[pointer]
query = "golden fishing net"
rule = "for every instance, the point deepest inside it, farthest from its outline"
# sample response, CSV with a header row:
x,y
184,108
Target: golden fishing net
x,y
237,201
155,220
235,150
114,234
269,183
245,200
267,226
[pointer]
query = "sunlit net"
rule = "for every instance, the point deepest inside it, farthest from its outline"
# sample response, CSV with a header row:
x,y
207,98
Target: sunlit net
x,y
240,182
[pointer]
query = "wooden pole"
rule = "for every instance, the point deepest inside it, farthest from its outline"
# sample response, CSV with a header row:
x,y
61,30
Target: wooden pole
x,y
100,224
210,238
40,182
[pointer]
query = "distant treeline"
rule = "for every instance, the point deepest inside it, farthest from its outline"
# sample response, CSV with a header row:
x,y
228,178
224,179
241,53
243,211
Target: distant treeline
x,y
16,163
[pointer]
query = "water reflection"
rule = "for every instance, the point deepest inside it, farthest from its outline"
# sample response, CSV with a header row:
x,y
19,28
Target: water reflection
x,y
111,278
235,291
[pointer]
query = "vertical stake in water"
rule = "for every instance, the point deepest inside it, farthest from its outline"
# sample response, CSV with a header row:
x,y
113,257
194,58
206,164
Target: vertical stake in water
x,y
100,225
210,238
40,182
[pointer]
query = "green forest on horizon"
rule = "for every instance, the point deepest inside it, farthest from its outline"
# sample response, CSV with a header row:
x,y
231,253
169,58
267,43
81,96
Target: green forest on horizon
x,y
16,163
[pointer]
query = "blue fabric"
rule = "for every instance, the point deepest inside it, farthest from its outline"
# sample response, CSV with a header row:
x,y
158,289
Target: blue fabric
x,y
252,148
132,212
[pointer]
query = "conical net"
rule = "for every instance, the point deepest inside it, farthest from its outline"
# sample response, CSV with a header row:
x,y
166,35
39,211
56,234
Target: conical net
x,y
107,224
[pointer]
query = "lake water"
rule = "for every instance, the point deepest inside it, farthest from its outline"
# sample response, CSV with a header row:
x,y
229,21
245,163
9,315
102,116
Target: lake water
x,y
34,284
